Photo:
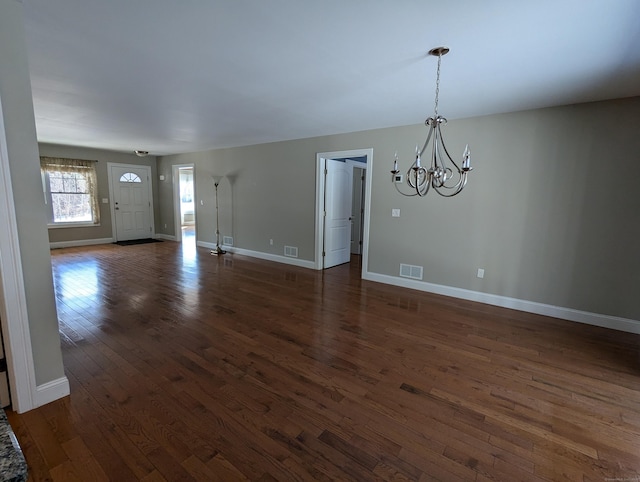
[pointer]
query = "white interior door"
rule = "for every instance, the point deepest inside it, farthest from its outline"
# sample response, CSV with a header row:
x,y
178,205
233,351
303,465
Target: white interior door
x,y
338,203
131,198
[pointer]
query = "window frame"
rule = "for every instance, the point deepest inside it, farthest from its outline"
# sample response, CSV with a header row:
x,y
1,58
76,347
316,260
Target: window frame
x,y
85,168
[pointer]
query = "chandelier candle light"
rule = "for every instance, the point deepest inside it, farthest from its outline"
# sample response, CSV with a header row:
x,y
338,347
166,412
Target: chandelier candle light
x,y
443,174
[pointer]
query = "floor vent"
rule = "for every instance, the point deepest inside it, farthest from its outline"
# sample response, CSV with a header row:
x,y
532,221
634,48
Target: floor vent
x,y
291,251
227,240
410,271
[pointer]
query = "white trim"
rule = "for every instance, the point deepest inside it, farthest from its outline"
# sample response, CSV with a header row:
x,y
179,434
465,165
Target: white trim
x,y
206,244
50,391
72,225
302,263
112,205
13,301
320,181
596,319
320,165
167,237
79,242
367,213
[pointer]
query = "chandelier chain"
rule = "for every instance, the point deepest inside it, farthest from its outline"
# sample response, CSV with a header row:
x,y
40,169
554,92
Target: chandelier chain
x,y
437,86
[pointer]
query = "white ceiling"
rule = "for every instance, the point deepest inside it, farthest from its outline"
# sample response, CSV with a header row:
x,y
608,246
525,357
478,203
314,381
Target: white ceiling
x,y
170,76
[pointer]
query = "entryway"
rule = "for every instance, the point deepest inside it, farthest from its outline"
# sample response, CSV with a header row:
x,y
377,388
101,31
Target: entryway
x,y
131,206
184,205
343,186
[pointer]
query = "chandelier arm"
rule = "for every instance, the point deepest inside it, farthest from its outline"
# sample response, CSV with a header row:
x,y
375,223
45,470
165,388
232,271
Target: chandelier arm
x,y
425,190
460,173
421,176
419,189
409,178
424,146
447,153
404,193
434,149
458,187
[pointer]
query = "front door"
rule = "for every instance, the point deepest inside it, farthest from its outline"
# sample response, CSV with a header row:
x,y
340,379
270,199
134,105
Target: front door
x,y
131,198
338,203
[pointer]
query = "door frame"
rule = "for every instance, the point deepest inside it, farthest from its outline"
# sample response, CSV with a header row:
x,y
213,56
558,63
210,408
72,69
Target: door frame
x,y
13,301
361,193
320,202
114,233
177,225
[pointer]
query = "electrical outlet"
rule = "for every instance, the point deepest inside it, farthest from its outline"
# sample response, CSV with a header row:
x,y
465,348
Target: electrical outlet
x,y
271,242
480,273
395,213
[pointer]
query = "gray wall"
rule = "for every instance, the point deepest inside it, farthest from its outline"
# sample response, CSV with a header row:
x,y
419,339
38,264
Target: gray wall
x,y
550,211
268,193
22,148
104,230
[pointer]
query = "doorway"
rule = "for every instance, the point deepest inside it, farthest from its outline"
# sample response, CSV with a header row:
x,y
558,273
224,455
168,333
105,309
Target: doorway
x,y
184,203
132,201
336,212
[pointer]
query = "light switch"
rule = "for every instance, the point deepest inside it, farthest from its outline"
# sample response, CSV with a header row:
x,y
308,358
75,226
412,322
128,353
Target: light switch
x,y
162,177
395,213
105,200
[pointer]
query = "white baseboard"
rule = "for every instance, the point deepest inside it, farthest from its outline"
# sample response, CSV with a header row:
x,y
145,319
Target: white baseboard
x,y
606,321
303,263
50,391
166,237
204,244
79,242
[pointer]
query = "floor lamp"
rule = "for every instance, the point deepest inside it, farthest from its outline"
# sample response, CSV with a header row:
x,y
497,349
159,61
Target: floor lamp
x,y
218,250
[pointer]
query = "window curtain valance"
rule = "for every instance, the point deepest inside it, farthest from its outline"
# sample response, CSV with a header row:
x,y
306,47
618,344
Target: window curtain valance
x,y
57,164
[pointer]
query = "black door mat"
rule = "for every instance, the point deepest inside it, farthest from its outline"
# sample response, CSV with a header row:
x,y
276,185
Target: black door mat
x,y
137,241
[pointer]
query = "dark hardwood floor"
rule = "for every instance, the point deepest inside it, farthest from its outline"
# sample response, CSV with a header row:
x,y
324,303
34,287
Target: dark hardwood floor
x,y
187,366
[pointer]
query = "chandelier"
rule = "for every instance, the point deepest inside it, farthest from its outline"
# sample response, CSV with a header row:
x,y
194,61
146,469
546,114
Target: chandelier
x,y
442,174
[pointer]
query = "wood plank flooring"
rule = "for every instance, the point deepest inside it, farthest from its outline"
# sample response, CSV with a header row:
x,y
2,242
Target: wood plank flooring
x,y
187,366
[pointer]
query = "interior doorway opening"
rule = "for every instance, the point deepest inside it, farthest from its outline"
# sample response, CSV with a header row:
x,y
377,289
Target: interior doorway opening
x,y
184,203
343,187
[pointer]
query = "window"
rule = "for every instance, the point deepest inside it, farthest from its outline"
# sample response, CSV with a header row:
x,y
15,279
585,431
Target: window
x,y
130,177
70,191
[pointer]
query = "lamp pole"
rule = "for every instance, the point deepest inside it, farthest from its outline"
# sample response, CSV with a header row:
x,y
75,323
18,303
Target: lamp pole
x,y
218,249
